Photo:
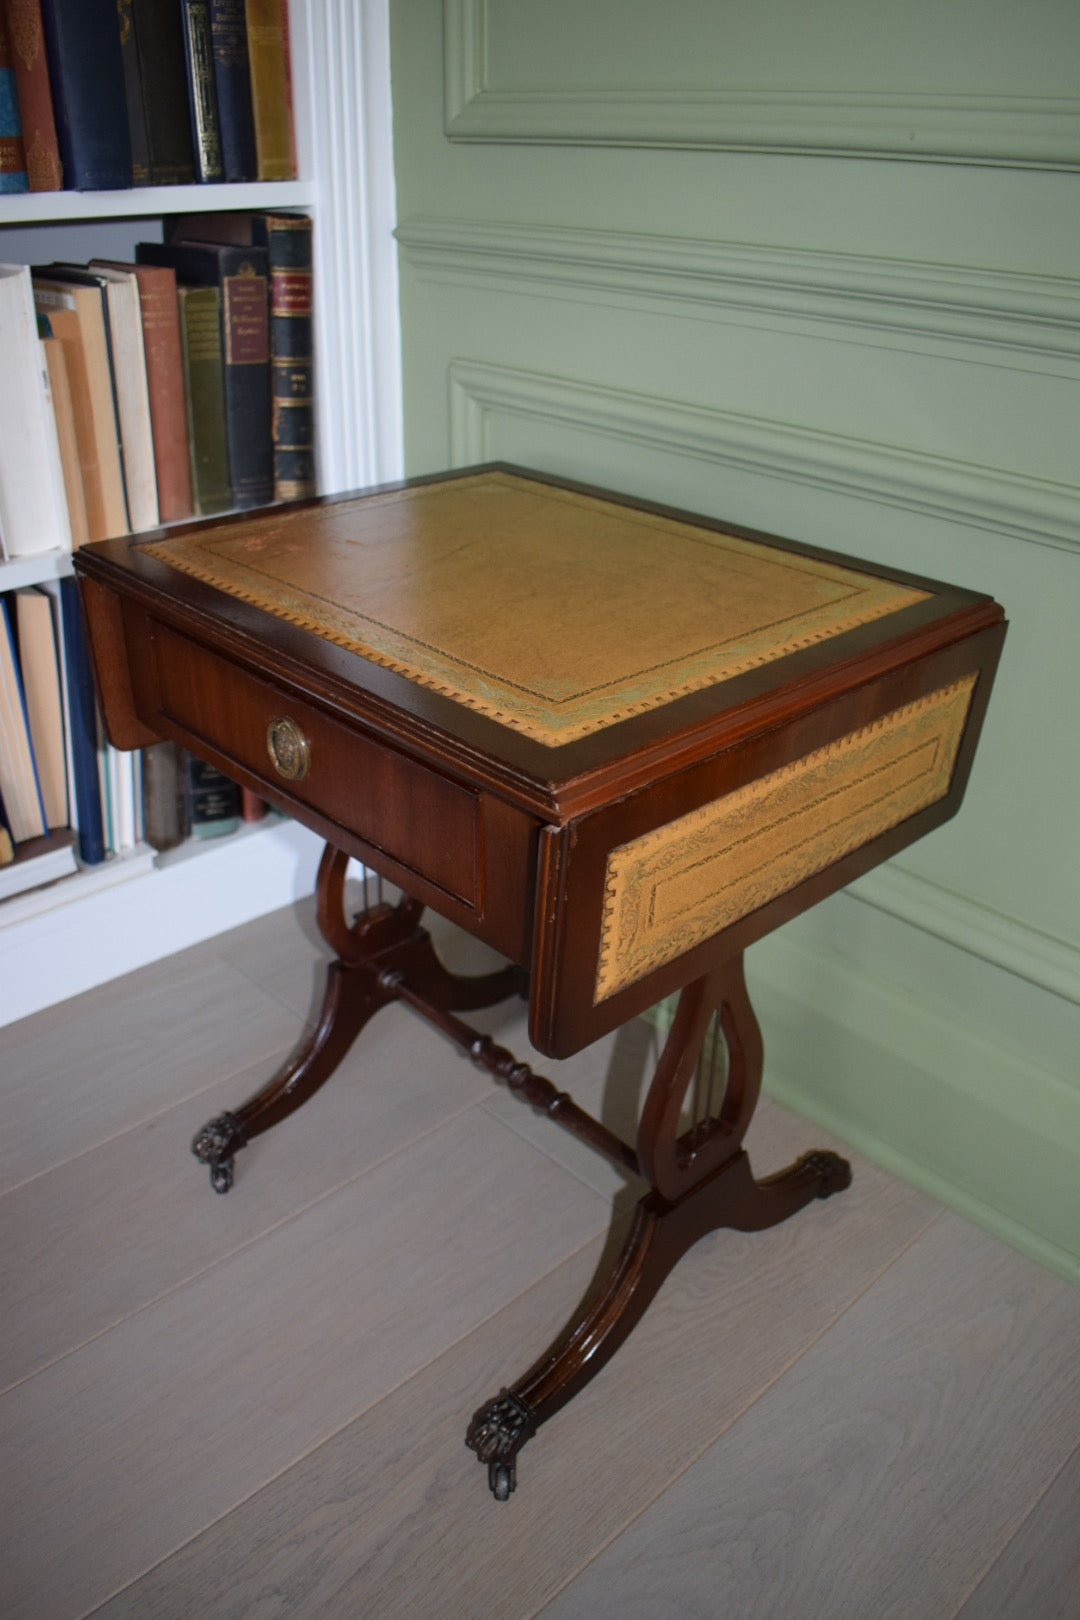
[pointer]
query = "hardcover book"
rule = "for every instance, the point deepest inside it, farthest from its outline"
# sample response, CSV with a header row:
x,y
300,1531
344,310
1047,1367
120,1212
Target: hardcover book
x,y
287,239
132,392
155,76
160,313
213,801
86,74
67,442
75,303
38,659
13,175
23,809
82,727
163,801
241,277
267,27
204,395
26,41
33,509
232,86
202,94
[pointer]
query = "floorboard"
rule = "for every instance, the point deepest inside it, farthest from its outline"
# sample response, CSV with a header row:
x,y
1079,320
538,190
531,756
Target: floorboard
x,y
1038,1573
152,1221
75,1075
877,1476
189,1405
255,1406
392,1517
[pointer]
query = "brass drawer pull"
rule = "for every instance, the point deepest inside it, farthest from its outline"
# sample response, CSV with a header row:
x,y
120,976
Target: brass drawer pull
x,y
288,749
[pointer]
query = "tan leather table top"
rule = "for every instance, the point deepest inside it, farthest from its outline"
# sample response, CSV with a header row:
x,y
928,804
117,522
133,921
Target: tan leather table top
x,y
550,611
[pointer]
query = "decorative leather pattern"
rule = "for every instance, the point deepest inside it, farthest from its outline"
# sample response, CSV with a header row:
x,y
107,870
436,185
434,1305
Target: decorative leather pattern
x,y
680,884
549,611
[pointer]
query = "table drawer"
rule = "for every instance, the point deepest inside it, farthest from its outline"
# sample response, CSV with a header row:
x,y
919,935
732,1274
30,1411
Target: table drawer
x,y
421,819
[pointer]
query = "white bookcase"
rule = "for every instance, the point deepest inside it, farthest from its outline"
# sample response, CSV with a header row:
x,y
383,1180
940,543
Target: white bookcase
x,y
64,939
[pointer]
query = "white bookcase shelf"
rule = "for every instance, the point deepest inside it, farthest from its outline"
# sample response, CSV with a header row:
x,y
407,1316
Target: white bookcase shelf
x,y
142,202
86,929
18,572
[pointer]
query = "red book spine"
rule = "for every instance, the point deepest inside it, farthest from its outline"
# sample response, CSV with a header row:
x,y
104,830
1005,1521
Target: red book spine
x,y
165,385
12,115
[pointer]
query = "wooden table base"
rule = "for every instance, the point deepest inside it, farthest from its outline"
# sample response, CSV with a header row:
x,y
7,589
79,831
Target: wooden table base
x,y
698,1174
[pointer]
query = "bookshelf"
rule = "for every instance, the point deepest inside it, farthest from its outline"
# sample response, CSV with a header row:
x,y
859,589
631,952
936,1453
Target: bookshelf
x,y
58,941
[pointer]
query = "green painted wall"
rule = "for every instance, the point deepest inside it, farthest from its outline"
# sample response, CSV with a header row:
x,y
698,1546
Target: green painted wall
x,y
812,269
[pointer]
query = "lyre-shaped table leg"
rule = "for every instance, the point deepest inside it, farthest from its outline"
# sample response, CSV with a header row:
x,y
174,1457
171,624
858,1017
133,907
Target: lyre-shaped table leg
x,y
382,940
700,1180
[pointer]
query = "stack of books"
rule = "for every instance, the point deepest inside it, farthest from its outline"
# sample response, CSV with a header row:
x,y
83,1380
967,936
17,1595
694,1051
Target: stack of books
x,y
135,395
173,387
102,95
67,798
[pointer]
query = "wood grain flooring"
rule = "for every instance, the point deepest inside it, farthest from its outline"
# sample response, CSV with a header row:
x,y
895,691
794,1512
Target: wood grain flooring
x,y
255,1406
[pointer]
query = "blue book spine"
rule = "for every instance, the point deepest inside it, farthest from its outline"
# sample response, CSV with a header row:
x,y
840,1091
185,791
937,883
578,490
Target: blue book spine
x,y
232,84
86,76
82,720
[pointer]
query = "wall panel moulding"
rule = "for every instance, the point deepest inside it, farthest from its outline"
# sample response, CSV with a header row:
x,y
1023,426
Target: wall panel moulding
x,y
832,81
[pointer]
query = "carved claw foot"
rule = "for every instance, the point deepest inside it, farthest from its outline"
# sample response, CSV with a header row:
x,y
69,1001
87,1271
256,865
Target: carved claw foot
x,y
497,1433
833,1172
215,1146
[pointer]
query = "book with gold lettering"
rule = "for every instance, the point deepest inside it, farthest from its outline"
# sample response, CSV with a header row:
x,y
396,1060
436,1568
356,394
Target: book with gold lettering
x,y
241,276
287,239
12,151
271,95
26,41
232,85
202,94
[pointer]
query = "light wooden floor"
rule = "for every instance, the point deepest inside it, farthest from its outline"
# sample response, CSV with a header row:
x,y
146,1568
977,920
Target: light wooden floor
x,y
254,1406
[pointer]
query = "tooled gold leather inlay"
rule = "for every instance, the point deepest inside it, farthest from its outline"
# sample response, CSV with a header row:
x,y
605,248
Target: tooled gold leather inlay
x,y
549,611
680,884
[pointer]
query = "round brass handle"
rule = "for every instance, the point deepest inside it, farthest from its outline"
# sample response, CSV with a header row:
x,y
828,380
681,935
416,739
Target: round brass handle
x,y
288,749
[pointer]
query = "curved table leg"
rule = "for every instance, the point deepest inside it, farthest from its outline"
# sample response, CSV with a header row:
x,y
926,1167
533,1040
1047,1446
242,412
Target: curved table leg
x,y
701,1180
381,941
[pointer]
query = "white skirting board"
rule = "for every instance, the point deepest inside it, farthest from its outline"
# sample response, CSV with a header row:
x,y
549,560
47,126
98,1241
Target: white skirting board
x,y
950,1069
109,921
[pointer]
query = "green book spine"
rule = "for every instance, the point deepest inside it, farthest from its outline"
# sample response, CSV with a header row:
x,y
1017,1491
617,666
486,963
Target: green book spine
x,y
204,397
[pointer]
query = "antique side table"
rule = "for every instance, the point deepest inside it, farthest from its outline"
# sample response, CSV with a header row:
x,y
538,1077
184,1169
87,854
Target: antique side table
x,y
615,742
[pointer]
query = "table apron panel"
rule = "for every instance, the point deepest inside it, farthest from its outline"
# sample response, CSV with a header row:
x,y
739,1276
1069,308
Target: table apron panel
x,y
646,893
424,821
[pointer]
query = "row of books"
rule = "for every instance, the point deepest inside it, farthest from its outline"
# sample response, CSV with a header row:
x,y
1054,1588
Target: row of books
x,y
67,797
139,394
102,95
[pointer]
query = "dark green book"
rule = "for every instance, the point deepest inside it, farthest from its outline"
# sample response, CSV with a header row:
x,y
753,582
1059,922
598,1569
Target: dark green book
x,y
201,90
155,77
204,398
